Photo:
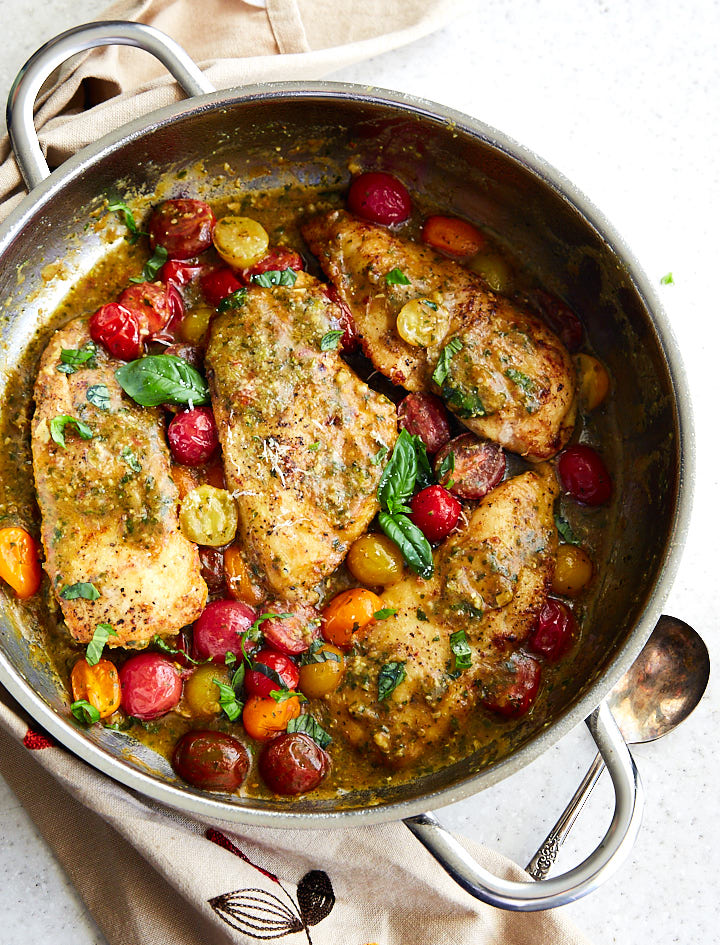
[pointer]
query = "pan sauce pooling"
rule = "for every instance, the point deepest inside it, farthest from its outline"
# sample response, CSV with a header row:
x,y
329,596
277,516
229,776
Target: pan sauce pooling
x,y
282,460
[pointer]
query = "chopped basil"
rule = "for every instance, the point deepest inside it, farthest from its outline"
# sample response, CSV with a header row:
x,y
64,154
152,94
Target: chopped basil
x,y
389,678
162,378
396,277
230,659
308,725
96,645
85,713
73,358
234,300
171,651
331,340
99,396
313,447
442,367
228,700
83,589
275,277
447,466
421,615
238,677
152,266
429,303
565,529
667,279
57,429
120,207
281,695
464,404
317,652
384,613
379,456
522,380
270,674
410,540
461,649
131,459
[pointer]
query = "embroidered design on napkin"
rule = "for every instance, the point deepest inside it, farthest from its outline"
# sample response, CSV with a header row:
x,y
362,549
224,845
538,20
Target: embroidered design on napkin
x,y
35,740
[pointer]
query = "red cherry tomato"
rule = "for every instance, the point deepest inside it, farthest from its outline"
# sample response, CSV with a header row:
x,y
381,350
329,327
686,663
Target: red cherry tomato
x,y
277,257
119,330
154,303
293,764
554,631
424,415
560,318
211,761
477,466
212,567
584,475
259,684
435,512
349,340
151,686
218,284
193,437
177,272
183,227
219,629
190,353
380,198
294,634
514,686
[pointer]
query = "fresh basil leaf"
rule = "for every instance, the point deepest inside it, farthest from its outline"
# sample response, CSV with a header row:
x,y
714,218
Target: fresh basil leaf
x,y
234,300
120,207
83,589
230,659
389,678
308,725
131,459
57,429
275,277
282,695
162,378
171,651
73,358
425,475
442,367
97,644
565,529
331,340
238,677
446,467
410,540
464,403
667,279
228,700
384,613
99,396
379,456
317,652
397,481
153,266
396,277
461,649
85,713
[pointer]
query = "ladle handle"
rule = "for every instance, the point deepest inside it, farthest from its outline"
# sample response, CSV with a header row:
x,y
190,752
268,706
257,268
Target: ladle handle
x,y
558,890
29,81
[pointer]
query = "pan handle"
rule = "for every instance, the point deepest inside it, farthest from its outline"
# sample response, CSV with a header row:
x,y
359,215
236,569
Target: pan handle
x,y
39,67
558,890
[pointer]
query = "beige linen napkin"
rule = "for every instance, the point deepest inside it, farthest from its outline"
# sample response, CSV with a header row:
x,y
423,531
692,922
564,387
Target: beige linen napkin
x,y
149,875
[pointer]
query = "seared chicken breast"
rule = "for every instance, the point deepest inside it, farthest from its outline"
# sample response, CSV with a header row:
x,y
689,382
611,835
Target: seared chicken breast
x,y
504,374
109,507
302,435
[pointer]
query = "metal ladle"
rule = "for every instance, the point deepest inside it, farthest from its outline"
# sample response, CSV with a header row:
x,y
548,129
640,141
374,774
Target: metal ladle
x,y
657,693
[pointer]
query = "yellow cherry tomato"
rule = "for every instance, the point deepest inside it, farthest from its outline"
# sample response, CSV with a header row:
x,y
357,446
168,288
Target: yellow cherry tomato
x,y
593,380
201,693
240,241
375,559
421,322
19,561
194,325
263,718
494,270
209,516
323,674
99,685
239,580
573,570
347,613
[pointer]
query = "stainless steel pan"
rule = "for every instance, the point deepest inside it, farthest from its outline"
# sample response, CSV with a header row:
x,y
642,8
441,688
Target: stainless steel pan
x,y
290,132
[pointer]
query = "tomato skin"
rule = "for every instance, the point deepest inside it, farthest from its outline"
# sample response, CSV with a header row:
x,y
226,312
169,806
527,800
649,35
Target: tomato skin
x,y
154,304
119,331
512,693
193,437
265,718
294,634
583,475
375,559
479,466
218,284
347,613
258,684
554,630
349,341
435,512
184,227
293,764
380,198
99,685
560,318
453,236
277,257
211,567
424,415
219,629
239,578
211,761
19,561
151,686
179,273
319,679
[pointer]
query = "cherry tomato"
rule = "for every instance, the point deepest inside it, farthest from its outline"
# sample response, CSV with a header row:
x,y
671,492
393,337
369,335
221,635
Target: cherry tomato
x,y
211,567
219,629
211,761
218,284
258,684
151,686
99,685
584,475
193,437
349,341
573,570
295,633
435,512
473,466
239,579
560,318
209,516
19,561
276,258
453,236
422,322
554,631
201,692
424,415
495,270
375,559
347,613
240,241
119,330
190,353
323,674
154,304
593,381
380,198
184,227
293,764
264,718
514,687
177,272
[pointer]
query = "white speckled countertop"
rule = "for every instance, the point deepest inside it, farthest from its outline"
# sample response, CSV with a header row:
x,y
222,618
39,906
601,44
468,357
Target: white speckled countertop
x,y
622,97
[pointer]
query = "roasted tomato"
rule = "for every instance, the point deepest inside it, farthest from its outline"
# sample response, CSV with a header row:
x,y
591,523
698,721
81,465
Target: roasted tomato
x,y
583,475
211,761
98,684
347,613
276,258
424,415
154,304
180,273
276,671
184,227
435,512
321,671
151,686
218,284
193,437
293,633
19,561
211,567
515,686
293,764
453,236
265,718
375,559
219,629
349,341
380,198
470,467
119,330
554,631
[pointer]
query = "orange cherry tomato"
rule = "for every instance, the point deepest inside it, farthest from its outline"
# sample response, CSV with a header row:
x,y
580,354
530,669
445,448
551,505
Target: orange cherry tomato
x,y
99,685
453,236
19,561
264,718
347,613
239,579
